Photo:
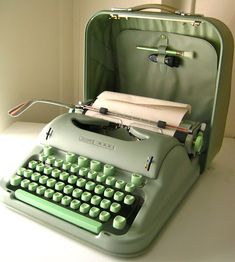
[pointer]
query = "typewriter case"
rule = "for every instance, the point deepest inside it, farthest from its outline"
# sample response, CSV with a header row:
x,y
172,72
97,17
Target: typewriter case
x,y
112,62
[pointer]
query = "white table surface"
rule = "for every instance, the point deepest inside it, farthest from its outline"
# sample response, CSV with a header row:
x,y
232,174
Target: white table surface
x,y
202,228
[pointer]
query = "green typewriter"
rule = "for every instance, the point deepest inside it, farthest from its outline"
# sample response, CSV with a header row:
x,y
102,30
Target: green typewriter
x,y
112,170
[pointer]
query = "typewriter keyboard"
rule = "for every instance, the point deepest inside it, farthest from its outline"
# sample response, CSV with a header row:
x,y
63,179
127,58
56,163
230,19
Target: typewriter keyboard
x,y
82,191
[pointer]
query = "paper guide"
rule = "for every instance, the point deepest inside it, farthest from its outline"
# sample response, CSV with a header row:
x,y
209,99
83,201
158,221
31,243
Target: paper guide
x,y
144,108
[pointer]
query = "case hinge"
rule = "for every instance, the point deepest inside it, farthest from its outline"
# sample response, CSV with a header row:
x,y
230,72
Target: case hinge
x,y
117,17
196,23
114,16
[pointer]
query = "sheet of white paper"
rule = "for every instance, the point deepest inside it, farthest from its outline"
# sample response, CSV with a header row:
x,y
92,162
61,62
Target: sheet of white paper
x,y
145,108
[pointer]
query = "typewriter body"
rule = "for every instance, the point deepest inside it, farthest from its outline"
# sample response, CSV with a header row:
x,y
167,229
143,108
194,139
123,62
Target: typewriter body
x,y
111,185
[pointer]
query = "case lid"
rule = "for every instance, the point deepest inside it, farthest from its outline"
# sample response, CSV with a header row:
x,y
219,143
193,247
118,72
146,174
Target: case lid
x,y
119,45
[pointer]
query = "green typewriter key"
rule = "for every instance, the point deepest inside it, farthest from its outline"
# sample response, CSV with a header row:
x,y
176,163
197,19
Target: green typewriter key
x,y
108,192
115,207
110,181
95,165
108,170
35,176
40,190
129,199
40,167
55,173
95,200
90,185
49,193
75,204
118,196
137,179
83,161
58,163
50,160
32,186
119,222
64,176
120,184
51,182
66,200
57,197
94,212
100,177
86,196
99,189
59,186
15,180
129,187
70,157
47,170
43,180
105,203
42,157
92,174
74,168
72,179
83,171
104,216
28,173
25,183
84,208
68,189
77,192
81,182
66,166
32,164
47,150
20,171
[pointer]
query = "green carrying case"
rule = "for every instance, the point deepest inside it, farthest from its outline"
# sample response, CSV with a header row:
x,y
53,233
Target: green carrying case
x,y
144,175
112,62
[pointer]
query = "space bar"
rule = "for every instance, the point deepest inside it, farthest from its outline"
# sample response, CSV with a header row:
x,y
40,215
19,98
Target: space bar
x,y
58,211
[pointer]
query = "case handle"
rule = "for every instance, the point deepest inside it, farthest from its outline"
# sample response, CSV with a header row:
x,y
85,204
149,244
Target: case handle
x,y
165,8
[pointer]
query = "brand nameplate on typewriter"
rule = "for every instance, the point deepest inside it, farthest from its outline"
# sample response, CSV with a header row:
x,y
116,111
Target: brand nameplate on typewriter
x,y
96,143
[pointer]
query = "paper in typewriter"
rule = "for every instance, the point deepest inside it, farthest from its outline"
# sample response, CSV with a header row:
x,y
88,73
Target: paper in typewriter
x,y
148,109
